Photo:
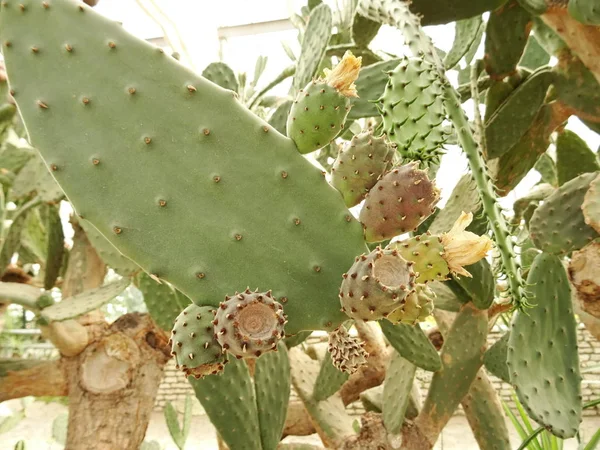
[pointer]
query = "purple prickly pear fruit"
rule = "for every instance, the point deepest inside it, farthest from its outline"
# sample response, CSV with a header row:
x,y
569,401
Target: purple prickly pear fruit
x,y
398,203
376,285
359,166
347,352
249,324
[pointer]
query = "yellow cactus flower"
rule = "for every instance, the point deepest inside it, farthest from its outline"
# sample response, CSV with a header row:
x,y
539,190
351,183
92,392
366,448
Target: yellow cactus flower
x,y
462,248
343,76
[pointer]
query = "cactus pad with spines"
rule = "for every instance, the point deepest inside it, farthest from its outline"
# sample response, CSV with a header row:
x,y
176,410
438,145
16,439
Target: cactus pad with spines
x,y
359,165
464,198
494,358
278,119
376,284
585,11
163,302
193,344
317,116
573,157
401,200
370,85
412,344
347,355
230,402
84,302
222,75
249,324
591,205
174,192
413,110
417,307
558,225
426,251
396,392
542,351
314,44
272,388
330,378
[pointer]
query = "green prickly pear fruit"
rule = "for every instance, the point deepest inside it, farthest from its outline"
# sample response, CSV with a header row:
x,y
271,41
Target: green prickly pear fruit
x,y
413,110
400,201
347,352
359,166
320,109
376,285
417,307
193,344
437,256
249,324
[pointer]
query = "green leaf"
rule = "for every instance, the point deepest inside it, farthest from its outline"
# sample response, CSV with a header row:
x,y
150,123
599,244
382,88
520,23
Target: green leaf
x,y
173,425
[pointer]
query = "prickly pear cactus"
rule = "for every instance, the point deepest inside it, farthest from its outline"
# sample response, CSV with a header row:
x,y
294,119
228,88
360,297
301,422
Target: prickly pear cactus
x,y
376,285
177,202
193,344
248,324
398,203
222,75
413,111
427,252
417,307
320,109
359,165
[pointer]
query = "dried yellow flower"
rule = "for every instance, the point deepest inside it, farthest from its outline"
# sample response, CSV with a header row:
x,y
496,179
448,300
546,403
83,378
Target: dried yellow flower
x,y
343,76
462,248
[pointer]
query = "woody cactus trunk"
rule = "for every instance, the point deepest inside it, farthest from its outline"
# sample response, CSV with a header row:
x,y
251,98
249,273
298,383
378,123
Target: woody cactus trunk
x,y
241,246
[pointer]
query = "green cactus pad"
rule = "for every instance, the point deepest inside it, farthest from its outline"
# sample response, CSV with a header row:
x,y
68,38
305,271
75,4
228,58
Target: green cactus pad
x,y
542,351
573,157
465,37
464,198
163,302
546,166
396,392
401,200
359,166
35,177
55,250
576,86
485,415
585,11
441,12
329,380
413,111
479,288
222,75
14,155
426,251
314,44
249,324
174,191
445,299
412,344
109,254
535,55
370,85
193,344
272,386
516,114
317,116
330,418
85,302
591,205
364,30
506,36
417,307
278,119
230,404
495,357
558,225
376,285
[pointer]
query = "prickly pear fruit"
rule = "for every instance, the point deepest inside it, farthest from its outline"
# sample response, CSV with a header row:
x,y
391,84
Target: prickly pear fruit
x,y
249,323
427,252
196,350
398,203
376,285
591,205
359,165
320,109
347,352
417,307
584,273
413,110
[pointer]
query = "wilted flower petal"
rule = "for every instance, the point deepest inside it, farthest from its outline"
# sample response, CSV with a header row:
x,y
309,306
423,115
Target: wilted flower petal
x,y
343,76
